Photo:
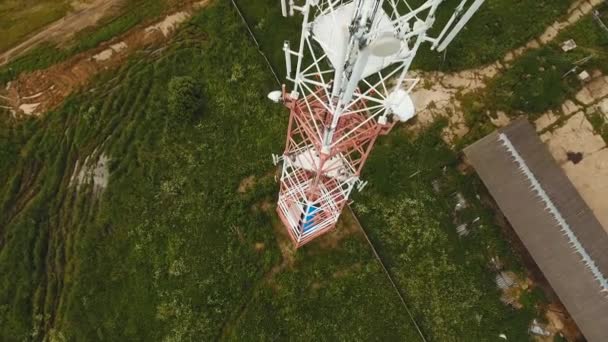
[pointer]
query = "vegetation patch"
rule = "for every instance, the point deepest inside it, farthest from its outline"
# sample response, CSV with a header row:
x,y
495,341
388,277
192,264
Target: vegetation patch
x,y
171,251
412,208
539,81
47,54
19,18
498,27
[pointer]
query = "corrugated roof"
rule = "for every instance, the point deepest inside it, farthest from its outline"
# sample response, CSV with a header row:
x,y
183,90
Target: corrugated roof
x,y
540,231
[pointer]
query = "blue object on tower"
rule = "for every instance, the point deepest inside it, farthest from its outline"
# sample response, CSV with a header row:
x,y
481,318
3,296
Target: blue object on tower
x,y
309,223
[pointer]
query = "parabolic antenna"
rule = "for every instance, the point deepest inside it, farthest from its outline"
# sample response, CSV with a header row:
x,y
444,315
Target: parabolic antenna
x,y
400,103
275,96
350,76
386,44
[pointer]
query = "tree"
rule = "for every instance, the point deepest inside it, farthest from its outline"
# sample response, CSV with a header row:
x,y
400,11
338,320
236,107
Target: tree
x,y
185,98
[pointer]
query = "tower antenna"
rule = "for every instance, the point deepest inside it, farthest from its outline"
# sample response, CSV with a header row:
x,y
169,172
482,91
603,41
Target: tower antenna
x,y
350,85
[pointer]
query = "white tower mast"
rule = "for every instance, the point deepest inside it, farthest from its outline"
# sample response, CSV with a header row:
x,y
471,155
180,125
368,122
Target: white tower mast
x,y
350,85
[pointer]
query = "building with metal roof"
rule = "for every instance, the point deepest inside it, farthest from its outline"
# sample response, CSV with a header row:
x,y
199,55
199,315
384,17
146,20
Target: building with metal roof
x,y
552,220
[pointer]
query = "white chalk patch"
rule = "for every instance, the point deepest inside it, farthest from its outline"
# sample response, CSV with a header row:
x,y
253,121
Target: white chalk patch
x,y
169,23
103,55
97,173
29,108
32,96
101,173
118,47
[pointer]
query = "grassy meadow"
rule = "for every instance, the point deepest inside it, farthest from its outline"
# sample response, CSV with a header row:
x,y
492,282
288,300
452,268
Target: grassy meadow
x,y
499,26
177,249
18,18
171,250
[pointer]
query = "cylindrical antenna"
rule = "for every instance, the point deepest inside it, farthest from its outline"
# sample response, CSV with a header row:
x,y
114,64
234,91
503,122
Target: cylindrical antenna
x,y
284,7
287,51
449,24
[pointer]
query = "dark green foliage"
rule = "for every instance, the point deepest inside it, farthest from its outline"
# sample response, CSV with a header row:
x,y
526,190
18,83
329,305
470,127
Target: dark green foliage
x,y
499,26
134,13
184,98
322,298
530,299
599,123
534,83
592,41
540,80
41,57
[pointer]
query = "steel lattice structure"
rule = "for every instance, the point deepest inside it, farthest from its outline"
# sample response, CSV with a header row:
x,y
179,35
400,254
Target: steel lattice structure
x,y
350,86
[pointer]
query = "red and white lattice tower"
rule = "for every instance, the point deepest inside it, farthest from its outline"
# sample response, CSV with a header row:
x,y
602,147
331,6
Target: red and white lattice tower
x,y
350,85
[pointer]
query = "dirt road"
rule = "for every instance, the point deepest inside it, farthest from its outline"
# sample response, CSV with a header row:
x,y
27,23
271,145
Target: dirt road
x,y
85,15
38,91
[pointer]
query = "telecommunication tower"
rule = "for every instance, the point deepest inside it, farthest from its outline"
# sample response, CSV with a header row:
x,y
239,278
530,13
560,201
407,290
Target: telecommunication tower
x,y
350,85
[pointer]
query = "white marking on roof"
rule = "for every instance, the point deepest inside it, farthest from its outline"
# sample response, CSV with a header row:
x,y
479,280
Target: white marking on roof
x,y
550,206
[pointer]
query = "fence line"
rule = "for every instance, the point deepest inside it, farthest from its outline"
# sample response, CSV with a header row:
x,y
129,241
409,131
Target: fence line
x,y
388,274
257,44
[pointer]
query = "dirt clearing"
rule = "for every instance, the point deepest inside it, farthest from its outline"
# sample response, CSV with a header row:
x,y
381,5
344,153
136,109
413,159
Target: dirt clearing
x,y
86,14
37,92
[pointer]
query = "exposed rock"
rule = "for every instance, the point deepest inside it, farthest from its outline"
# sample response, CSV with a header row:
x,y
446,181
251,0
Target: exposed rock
x,y
577,135
549,34
545,121
590,177
586,7
584,96
169,23
97,174
598,88
533,44
575,16
29,108
569,107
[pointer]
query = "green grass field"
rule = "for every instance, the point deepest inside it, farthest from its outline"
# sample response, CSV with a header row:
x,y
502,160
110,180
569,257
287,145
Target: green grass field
x,y
499,26
548,80
18,18
173,251
169,251
409,211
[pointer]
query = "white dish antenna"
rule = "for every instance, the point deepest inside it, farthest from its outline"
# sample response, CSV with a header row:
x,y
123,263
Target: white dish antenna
x,y
385,45
275,96
331,32
401,105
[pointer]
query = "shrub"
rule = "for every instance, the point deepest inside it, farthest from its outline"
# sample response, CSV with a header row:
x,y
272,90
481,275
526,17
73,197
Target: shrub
x,y
185,99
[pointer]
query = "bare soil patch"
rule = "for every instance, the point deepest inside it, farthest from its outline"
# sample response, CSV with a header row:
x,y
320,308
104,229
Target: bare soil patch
x,y
246,184
37,92
86,14
346,227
